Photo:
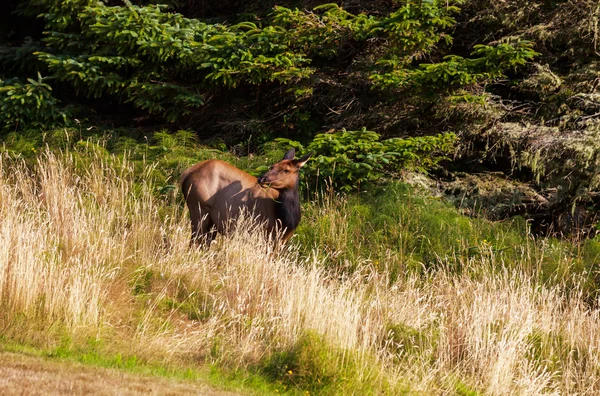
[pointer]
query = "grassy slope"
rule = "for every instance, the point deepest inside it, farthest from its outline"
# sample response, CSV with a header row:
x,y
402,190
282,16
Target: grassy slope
x,y
382,292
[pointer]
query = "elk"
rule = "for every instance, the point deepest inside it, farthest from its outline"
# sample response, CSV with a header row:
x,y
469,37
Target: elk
x,y
216,193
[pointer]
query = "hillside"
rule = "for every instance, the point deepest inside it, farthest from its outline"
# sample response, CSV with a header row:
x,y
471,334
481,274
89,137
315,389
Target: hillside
x,y
383,294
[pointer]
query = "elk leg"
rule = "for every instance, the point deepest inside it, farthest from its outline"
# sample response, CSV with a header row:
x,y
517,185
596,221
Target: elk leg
x,y
201,227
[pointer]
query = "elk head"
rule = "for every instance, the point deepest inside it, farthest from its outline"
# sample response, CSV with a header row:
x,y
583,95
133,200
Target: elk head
x,y
284,174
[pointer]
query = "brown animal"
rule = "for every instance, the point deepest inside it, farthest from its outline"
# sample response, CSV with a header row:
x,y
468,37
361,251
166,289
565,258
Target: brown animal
x,y
216,193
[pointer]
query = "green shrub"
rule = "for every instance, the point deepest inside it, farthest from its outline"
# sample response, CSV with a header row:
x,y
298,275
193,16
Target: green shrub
x,y
324,32
415,30
488,63
159,61
311,364
31,104
168,65
397,229
350,159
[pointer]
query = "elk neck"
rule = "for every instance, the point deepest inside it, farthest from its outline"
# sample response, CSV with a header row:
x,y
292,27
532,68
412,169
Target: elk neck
x,y
288,207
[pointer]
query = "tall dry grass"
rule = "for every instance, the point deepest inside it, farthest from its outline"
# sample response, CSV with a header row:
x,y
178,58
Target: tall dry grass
x,y
86,247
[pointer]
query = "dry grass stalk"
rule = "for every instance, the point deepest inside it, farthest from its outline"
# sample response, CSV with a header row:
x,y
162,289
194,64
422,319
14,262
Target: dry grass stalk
x,y
75,243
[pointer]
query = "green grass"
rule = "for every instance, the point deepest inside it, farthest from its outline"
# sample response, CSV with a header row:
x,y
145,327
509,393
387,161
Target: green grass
x,y
312,365
92,353
397,228
170,152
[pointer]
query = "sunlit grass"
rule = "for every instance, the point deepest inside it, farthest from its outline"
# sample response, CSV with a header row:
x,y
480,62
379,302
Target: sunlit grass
x,y
374,295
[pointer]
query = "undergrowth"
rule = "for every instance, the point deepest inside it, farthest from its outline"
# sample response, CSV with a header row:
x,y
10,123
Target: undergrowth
x,y
397,228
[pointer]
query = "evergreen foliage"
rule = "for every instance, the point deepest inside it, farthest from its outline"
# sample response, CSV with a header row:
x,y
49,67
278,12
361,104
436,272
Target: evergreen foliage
x,y
160,61
30,104
488,63
350,159
167,64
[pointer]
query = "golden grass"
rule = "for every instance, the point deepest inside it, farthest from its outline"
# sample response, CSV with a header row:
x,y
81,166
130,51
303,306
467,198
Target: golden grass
x,y
84,247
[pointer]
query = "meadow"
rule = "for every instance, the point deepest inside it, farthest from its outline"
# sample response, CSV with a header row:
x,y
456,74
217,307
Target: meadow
x,y
386,291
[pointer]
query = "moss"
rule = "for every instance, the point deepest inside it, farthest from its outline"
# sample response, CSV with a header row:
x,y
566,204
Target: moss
x,y
542,81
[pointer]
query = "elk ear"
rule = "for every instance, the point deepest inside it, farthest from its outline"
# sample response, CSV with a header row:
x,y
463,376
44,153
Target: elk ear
x,y
300,162
290,154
